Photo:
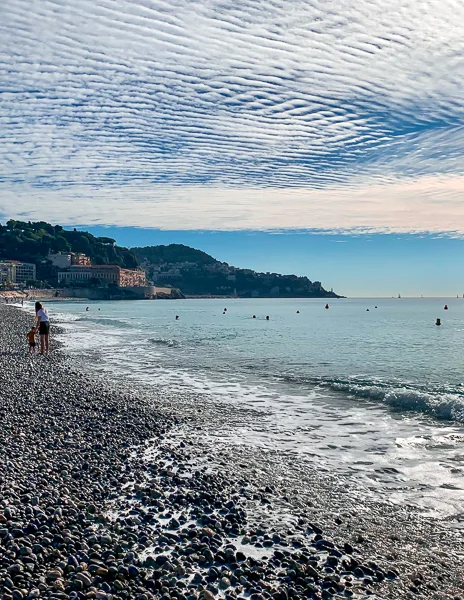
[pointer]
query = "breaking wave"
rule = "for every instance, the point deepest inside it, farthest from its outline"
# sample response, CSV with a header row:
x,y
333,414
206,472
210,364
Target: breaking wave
x,y
164,342
439,404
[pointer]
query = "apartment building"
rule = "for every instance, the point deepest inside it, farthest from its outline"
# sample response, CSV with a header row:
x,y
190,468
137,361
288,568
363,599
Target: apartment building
x,y
14,271
106,274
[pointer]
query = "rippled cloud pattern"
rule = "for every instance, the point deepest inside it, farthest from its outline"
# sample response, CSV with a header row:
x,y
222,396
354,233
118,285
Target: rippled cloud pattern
x,y
223,114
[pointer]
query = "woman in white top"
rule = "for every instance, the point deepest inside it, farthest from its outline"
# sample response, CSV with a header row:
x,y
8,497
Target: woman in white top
x,y
43,323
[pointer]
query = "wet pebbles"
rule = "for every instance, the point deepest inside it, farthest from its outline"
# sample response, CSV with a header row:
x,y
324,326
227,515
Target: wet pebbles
x,y
97,501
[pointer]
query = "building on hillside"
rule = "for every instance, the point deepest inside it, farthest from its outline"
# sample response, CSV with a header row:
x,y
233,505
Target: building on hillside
x,y
14,271
132,278
105,274
169,274
78,258
64,260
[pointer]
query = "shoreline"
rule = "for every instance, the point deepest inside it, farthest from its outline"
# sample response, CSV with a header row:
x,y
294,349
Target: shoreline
x,y
109,494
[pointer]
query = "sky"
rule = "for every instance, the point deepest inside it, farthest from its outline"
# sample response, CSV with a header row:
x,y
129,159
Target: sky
x,y
283,126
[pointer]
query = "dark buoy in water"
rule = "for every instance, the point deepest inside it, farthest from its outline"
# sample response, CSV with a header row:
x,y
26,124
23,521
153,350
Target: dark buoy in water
x,y
438,322
367,309
375,306
326,306
177,317
225,310
445,307
254,316
267,318
297,312
87,309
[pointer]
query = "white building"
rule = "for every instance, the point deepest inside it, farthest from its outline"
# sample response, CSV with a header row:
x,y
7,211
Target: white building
x,y
14,271
62,260
25,272
6,272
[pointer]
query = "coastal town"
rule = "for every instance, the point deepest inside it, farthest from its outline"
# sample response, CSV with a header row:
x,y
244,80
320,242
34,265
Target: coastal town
x,y
75,269
77,264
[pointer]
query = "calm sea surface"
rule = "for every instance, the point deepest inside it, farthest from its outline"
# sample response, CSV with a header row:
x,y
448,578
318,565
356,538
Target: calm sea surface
x,y
375,395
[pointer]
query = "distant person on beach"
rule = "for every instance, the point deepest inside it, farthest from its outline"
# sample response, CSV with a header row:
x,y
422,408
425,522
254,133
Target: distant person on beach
x,y
31,340
43,323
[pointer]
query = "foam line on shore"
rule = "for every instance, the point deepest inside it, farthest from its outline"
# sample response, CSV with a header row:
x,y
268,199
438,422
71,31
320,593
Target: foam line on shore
x,y
105,495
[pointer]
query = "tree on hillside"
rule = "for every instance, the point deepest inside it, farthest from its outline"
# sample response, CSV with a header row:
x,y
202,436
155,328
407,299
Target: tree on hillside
x,y
33,241
173,253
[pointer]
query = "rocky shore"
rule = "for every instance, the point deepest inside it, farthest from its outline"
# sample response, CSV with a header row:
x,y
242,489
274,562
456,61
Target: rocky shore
x,y
102,496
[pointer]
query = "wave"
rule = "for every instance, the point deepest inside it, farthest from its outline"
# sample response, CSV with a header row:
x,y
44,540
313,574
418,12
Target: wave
x,y
105,321
448,406
164,342
442,404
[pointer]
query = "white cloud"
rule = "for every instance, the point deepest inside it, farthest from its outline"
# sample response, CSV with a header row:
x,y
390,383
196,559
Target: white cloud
x,y
427,204
272,107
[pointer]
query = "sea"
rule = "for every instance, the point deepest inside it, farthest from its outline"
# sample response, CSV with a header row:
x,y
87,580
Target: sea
x,y
369,389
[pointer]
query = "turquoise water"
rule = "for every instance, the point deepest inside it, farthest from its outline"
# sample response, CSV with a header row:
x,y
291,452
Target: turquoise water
x,y
377,395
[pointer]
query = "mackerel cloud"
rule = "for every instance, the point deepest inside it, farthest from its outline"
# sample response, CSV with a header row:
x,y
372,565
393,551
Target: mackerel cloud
x,y
208,114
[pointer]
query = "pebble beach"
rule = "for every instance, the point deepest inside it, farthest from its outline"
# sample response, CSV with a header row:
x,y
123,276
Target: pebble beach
x,y
109,491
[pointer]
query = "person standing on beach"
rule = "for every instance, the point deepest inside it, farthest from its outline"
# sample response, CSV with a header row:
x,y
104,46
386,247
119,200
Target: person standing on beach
x,y
31,340
43,323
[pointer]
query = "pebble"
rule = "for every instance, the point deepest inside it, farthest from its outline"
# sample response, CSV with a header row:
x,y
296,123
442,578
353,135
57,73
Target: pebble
x,y
168,535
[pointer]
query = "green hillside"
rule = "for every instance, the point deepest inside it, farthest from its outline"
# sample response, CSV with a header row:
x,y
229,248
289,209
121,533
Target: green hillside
x,y
174,253
193,271
31,242
199,274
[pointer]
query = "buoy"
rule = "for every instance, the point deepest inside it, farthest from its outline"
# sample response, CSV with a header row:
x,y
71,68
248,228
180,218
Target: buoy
x,y
87,309
367,310
438,322
225,310
327,306
254,316
177,317
267,318
375,306
445,307
297,312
